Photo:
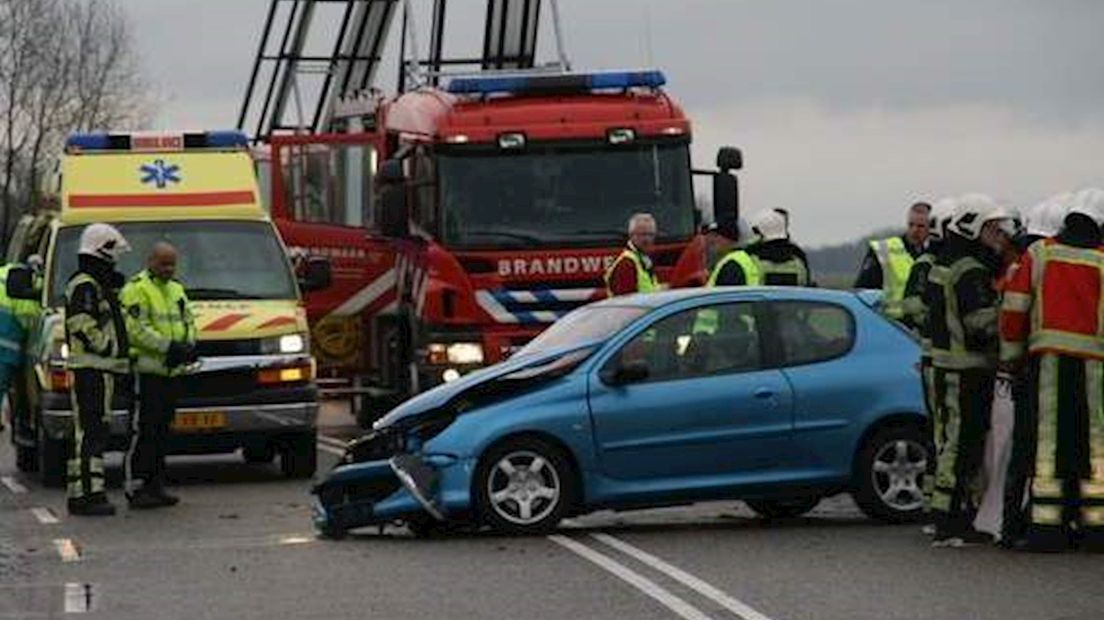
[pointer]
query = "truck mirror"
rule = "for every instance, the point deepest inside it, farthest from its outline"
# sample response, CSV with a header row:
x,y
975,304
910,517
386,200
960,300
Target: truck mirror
x,y
729,158
317,274
391,171
726,205
21,283
394,212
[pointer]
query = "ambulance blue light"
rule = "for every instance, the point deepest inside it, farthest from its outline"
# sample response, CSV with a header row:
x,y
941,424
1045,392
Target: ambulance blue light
x,y
573,82
226,139
88,141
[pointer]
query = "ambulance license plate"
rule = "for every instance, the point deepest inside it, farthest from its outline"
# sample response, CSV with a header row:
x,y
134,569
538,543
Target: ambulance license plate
x,y
199,421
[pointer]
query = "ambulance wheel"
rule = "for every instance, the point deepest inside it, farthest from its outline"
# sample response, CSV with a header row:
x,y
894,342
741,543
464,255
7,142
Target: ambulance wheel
x,y
889,474
53,460
299,455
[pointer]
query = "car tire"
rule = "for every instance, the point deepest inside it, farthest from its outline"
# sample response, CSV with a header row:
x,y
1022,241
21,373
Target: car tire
x,y
787,508
299,455
889,474
261,454
53,460
426,526
513,499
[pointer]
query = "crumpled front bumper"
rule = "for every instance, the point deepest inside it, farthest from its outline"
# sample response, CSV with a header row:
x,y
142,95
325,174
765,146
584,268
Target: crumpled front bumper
x,y
375,492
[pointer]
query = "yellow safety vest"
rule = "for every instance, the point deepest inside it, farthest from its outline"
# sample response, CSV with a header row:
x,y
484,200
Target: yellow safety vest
x,y
84,330
753,274
896,264
157,314
646,281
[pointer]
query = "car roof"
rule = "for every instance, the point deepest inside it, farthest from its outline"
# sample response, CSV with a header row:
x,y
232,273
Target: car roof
x,y
673,296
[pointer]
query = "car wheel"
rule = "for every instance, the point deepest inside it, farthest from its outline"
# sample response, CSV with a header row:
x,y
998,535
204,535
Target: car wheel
x,y
890,474
299,456
53,460
524,486
259,454
782,508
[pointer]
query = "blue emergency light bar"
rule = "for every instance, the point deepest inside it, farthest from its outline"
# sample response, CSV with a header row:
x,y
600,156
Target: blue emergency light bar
x,y
227,139
569,82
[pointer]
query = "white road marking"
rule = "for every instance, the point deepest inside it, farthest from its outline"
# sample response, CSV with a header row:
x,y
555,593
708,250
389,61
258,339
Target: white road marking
x,y
633,578
45,516
683,577
13,485
67,549
78,598
296,540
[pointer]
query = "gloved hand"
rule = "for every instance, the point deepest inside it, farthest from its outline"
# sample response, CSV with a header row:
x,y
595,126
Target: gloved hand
x,y
191,354
177,354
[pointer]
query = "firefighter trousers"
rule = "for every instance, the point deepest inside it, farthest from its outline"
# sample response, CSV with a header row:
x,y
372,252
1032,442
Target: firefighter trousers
x,y
149,431
927,379
962,407
91,393
1056,478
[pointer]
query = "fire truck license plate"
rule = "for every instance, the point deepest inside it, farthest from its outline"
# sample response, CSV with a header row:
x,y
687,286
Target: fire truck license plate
x,y
199,421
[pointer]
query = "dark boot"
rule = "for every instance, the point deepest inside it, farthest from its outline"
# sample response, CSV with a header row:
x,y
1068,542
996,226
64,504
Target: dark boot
x,y
91,506
144,499
167,499
1039,540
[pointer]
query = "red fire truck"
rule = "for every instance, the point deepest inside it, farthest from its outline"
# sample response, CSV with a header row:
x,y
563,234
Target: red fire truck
x,y
516,193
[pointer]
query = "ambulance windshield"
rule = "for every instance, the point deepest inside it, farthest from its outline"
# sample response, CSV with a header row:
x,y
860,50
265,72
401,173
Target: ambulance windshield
x,y
217,259
564,195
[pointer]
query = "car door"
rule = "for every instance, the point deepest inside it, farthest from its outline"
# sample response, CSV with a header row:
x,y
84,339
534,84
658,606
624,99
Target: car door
x,y
831,387
708,406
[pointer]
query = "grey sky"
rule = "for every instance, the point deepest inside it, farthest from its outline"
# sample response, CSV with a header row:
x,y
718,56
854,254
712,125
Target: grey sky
x,y
846,110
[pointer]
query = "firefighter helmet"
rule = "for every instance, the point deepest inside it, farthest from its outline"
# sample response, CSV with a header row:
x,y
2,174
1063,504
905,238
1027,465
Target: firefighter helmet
x,y
103,241
769,225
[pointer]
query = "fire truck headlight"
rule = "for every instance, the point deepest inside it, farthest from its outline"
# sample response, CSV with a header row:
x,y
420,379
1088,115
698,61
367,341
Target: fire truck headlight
x,y
293,343
450,375
465,353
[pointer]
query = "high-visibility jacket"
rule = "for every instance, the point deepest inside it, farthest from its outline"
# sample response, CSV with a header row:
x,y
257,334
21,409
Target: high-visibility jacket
x,y
94,328
896,263
753,274
12,328
913,308
791,272
962,336
1053,303
158,313
646,281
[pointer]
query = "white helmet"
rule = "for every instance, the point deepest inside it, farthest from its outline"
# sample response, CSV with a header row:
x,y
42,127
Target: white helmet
x,y
1045,220
976,210
103,241
1089,202
769,225
941,213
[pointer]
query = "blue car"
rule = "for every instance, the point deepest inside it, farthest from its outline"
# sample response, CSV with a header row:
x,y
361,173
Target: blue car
x,y
774,396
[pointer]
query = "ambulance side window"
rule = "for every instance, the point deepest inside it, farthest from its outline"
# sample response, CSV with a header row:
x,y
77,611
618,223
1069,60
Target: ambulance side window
x,y
424,186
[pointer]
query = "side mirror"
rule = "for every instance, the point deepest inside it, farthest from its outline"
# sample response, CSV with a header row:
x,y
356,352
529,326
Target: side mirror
x,y
21,283
729,158
625,373
317,274
394,210
726,199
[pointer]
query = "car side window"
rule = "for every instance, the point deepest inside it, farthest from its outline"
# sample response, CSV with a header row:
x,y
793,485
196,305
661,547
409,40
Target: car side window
x,y
711,340
812,332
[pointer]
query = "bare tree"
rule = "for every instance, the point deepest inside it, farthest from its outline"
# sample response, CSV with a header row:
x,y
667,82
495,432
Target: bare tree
x,y
65,66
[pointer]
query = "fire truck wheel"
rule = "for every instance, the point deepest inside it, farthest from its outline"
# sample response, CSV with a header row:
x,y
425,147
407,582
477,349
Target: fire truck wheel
x,y
299,455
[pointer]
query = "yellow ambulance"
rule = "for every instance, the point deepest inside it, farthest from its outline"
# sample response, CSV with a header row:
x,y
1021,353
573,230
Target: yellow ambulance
x,y
253,388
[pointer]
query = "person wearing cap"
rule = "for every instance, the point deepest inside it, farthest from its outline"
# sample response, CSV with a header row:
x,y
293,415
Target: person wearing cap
x,y
633,270
769,259
1050,324
888,261
963,305
98,357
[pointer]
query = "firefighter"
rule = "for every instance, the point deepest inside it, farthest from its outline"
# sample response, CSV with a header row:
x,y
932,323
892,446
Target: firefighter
x,y
162,333
97,340
769,258
1055,490
633,271
962,305
888,261
785,213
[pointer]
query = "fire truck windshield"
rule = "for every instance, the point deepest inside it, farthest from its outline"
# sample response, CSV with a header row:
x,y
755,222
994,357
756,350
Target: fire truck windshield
x,y
218,259
562,195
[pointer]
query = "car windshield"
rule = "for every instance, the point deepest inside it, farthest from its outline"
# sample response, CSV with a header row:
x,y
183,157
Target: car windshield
x,y
218,259
564,196
587,324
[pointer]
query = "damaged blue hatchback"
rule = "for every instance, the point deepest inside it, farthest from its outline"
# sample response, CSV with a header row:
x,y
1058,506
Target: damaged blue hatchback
x,y
774,396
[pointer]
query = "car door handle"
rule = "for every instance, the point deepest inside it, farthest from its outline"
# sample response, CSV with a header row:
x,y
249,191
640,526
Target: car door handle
x,y
764,393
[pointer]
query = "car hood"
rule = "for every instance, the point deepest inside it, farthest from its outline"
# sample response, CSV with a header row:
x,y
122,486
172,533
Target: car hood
x,y
526,366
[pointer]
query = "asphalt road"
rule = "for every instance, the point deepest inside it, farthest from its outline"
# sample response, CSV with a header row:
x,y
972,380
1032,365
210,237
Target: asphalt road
x,y
240,546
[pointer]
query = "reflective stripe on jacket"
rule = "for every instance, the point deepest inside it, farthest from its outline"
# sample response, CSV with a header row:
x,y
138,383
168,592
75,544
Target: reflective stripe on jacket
x,y
157,314
1053,303
953,328
896,263
90,330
